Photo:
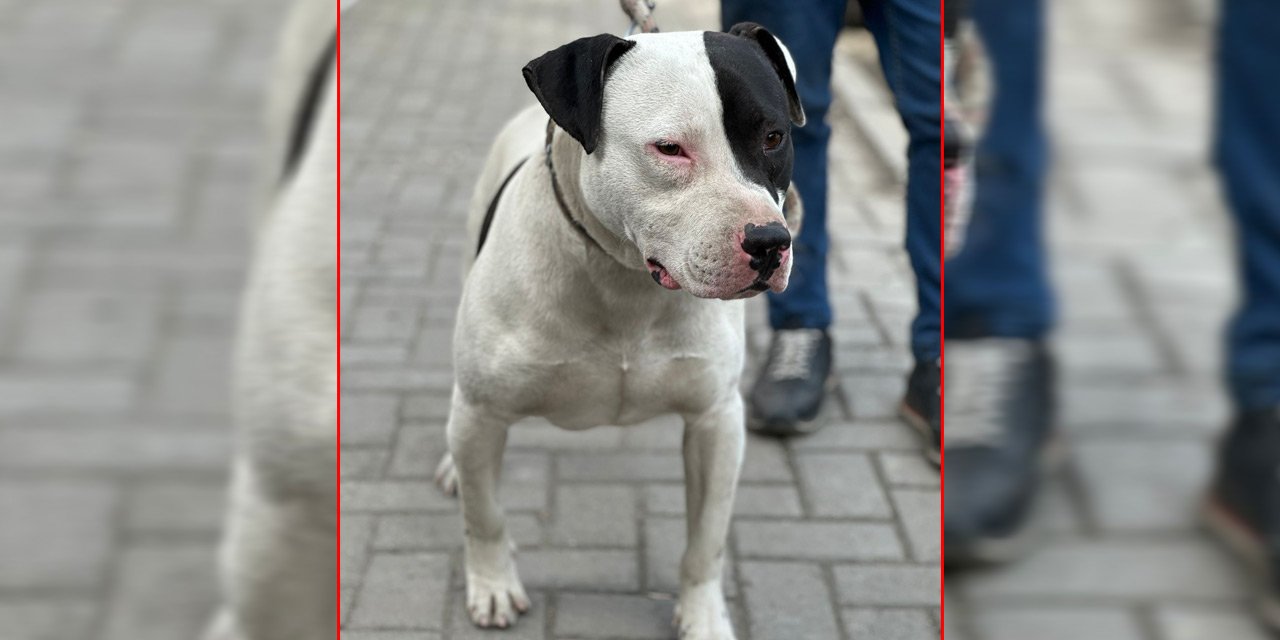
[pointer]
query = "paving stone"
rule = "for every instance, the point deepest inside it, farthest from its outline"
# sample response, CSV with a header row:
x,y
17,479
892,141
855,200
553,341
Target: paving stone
x,y
920,513
884,584
1142,485
1149,569
364,464
441,531
889,624
842,485
194,377
595,516
124,449
64,543
1181,622
147,607
391,496
88,326
621,467
579,569
817,540
356,531
403,591
25,393
1060,623
369,419
390,635
906,469
177,507
59,619
613,616
861,435
788,600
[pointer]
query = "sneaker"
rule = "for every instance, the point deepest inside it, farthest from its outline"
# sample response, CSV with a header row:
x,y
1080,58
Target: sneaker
x,y
920,406
787,397
999,441
1243,506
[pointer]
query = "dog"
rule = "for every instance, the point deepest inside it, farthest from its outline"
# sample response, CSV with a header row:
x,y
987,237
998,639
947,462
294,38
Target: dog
x,y
279,545
615,244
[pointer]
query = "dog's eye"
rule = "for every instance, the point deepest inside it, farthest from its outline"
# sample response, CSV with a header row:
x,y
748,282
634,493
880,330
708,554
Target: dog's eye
x,y
772,140
667,148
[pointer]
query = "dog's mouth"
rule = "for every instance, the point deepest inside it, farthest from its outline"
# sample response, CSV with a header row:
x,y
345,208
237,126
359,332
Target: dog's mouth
x,y
660,275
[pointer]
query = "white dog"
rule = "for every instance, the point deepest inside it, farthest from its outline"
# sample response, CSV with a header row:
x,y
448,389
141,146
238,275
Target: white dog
x,y
278,556
669,162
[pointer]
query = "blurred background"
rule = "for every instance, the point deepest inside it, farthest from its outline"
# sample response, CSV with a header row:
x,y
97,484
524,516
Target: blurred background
x,y
129,139
835,534
1142,263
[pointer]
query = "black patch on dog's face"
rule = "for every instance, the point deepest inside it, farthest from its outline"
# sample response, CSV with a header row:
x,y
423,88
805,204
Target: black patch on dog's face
x,y
755,104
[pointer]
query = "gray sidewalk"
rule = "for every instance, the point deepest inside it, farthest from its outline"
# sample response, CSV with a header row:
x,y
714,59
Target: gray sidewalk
x,y
1141,257
128,141
836,535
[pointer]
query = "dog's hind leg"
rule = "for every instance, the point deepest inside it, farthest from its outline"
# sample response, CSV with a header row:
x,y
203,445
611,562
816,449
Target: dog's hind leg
x,y
713,448
278,562
495,596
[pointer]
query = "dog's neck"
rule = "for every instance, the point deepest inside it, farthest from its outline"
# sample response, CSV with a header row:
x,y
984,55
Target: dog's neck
x,y
566,159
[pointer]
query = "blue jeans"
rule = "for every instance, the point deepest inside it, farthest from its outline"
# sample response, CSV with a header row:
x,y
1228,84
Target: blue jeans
x,y
906,33
997,284
1247,152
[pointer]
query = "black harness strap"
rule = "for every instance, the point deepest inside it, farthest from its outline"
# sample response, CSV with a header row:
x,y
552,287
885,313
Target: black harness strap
x,y
304,115
493,206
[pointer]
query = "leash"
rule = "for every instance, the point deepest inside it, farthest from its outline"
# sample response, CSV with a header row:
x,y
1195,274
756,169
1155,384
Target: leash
x,y
555,188
641,14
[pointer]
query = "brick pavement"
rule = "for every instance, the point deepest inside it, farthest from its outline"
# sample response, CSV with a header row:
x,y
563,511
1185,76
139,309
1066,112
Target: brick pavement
x,y
1141,259
127,151
835,534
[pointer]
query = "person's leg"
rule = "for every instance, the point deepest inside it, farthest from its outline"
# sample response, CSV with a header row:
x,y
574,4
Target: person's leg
x,y
788,395
808,28
1247,151
906,34
999,374
1242,505
997,284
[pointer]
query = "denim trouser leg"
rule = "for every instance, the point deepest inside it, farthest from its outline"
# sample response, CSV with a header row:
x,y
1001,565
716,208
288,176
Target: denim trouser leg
x,y
808,28
997,284
906,33
1247,151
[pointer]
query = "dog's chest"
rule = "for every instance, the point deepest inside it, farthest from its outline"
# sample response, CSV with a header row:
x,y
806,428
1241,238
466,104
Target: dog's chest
x,y
628,388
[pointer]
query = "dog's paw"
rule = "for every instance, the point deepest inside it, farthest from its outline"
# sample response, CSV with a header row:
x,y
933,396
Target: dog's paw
x,y
495,596
447,475
701,614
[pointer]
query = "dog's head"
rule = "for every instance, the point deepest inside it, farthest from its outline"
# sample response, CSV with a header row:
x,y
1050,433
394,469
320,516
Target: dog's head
x,y
687,149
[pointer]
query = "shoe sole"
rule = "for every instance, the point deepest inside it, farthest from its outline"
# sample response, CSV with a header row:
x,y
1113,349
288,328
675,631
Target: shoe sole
x,y
800,428
990,551
918,422
1243,542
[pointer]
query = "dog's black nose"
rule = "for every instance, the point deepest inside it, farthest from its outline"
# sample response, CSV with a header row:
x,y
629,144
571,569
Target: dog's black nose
x,y
759,241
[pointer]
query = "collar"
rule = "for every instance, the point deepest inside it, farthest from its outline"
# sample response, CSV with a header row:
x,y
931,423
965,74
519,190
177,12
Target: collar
x,y
555,188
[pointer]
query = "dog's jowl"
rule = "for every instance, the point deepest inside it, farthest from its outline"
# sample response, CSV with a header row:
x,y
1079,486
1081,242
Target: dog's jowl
x,y
662,158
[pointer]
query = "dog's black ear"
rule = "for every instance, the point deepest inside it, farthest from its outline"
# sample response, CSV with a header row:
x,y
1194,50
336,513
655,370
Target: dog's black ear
x,y
781,61
569,82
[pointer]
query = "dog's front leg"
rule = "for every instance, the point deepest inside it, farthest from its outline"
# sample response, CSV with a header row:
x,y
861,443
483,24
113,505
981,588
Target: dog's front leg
x,y
495,597
713,446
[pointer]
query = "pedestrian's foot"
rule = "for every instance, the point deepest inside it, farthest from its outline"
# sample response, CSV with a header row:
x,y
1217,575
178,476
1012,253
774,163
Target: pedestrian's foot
x,y
787,396
1243,506
999,443
920,406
